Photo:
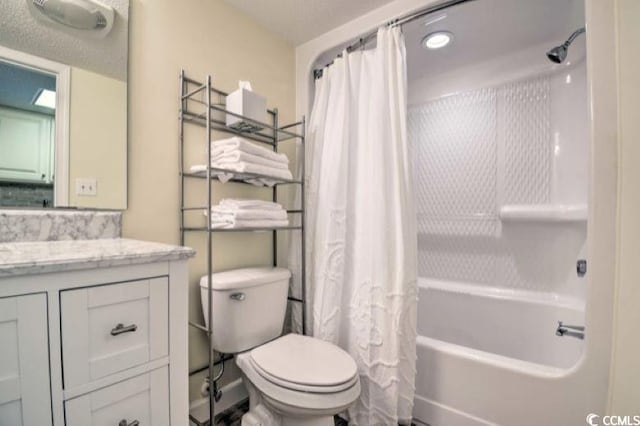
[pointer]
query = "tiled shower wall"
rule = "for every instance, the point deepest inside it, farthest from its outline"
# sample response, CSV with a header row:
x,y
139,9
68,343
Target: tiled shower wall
x,y
473,152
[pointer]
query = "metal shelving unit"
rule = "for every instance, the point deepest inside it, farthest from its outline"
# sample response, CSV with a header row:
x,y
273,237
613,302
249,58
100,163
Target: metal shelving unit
x,y
199,102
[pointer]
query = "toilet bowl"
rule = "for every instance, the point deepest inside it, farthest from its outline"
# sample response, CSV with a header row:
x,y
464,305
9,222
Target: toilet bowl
x,y
291,379
303,380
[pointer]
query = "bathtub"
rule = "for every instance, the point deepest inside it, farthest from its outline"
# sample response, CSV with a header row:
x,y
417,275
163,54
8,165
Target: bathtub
x,y
474,342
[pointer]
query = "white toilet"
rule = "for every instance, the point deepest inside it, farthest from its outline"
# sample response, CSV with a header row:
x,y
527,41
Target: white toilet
x,y
292,379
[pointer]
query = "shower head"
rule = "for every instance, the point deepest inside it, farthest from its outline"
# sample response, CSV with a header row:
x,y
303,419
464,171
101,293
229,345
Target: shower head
x,y
559,53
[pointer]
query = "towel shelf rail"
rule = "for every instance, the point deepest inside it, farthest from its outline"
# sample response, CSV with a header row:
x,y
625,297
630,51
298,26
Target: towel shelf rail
x,y
283,133
215,230
240,177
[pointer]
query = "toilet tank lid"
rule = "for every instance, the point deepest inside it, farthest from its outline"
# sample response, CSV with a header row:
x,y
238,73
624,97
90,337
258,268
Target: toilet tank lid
x,y
245,277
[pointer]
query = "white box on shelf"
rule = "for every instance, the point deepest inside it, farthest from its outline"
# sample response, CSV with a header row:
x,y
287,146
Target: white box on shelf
x,y
248,104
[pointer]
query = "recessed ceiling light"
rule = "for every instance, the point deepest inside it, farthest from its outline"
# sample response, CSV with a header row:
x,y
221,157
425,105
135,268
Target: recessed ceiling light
x,y
45,98
437,40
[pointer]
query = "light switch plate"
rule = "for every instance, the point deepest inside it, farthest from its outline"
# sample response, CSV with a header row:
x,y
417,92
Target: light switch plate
x,y
86,187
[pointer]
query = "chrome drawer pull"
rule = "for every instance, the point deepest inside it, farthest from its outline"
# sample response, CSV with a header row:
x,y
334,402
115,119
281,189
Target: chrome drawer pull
x,y
120,328
124,422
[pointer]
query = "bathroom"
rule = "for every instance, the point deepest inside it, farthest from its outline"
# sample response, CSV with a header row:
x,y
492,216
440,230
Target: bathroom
x,y
507,180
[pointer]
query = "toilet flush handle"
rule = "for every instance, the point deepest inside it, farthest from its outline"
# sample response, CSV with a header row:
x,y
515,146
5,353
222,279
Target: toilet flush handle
x,y
238,296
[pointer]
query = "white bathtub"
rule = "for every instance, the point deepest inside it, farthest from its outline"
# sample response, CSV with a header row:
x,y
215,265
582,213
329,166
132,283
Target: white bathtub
x,y
474,341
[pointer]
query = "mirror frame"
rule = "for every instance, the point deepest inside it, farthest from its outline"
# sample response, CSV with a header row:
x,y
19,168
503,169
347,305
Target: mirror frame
x,y
62,73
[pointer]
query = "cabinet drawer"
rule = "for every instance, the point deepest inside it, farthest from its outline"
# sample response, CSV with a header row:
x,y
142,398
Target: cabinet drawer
x,y
110,328
143,398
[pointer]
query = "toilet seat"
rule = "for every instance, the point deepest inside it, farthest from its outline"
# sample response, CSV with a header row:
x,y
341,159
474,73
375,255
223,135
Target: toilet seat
x,y
286,390
304,363
302,387
310,402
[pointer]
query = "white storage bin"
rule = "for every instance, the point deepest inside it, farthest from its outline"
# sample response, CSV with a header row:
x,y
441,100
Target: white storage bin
x,y
248,104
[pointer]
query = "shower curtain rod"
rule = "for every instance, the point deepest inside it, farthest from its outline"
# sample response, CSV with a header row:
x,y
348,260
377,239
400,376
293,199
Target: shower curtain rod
x,y
366,39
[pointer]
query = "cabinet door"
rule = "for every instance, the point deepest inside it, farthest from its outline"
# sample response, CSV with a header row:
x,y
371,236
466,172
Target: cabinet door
x,y
25,397
144,399
26,146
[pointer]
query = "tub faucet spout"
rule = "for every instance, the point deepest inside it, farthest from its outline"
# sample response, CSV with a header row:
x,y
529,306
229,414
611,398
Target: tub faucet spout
x,y
576,331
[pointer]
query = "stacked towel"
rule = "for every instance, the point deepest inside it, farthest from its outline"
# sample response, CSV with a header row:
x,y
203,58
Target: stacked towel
x,y
239,155
225,147
243,213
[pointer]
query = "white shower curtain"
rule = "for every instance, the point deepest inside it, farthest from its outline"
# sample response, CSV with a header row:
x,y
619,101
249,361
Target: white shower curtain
x,y
361,225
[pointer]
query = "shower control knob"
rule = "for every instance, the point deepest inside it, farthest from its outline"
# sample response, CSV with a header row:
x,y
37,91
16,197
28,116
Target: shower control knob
x,y
581,267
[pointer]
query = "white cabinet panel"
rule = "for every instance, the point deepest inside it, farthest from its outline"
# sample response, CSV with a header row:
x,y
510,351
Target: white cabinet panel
x,y
26,146
110,328
25,398
144,398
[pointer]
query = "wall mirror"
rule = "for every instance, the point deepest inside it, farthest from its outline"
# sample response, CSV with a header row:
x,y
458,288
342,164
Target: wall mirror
x,y
63,103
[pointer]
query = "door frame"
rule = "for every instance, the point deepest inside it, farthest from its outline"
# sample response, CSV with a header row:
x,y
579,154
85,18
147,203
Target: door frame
x,y
62,73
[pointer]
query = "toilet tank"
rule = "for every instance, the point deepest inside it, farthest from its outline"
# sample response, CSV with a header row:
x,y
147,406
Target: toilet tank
x,y
249,306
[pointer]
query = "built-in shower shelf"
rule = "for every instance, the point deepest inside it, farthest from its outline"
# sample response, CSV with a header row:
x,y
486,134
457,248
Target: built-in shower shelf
x,y
543,213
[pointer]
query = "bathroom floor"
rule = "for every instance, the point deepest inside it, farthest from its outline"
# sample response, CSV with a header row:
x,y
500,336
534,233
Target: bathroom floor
x,y
233,416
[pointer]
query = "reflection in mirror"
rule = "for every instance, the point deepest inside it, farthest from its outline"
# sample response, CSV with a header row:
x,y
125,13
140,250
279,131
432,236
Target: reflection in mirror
x,y
63,103
27,123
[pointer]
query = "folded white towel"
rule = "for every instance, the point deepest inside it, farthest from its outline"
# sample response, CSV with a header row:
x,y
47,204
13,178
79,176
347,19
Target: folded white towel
x,y
247,213
249,203
262,182
236,156
243,167
238,223
222,146
225,176
223,213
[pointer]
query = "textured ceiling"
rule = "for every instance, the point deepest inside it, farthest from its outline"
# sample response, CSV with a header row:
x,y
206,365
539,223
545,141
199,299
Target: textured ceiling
x,y
19,86
302,20
20,30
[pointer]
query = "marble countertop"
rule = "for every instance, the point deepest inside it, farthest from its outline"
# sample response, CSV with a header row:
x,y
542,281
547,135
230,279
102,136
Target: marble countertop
x,y
37,257
58,224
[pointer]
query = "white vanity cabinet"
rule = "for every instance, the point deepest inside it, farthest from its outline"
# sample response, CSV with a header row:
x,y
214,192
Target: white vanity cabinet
x,y
25,398
95,342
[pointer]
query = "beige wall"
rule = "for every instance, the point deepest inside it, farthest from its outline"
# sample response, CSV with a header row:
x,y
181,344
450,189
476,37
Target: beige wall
x,y
625,372
98,139
203,37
